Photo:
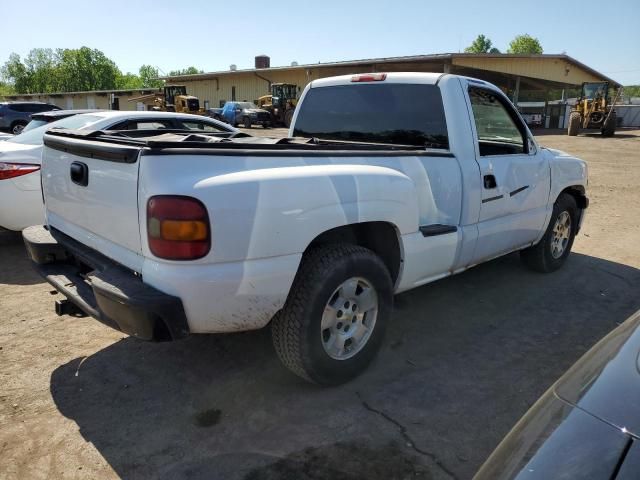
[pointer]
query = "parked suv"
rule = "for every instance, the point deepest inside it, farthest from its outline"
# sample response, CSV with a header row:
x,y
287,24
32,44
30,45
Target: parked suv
x,y
14,116
245,114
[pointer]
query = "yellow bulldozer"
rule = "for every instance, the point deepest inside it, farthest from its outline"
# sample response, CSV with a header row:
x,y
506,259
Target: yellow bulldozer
x,y
172,98
281,103
593,110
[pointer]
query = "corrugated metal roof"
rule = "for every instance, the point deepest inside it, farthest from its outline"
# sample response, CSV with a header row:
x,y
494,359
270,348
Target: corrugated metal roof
x,y
438,57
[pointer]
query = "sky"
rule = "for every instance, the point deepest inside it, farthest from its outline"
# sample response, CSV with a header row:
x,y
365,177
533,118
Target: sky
x,y
212,35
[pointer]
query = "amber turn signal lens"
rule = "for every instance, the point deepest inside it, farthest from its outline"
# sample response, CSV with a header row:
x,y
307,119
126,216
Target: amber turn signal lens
x,y
183,230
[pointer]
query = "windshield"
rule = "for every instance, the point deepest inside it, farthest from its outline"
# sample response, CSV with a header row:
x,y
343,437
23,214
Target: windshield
x,y
594,90
246,105
34,124
34,136
402,114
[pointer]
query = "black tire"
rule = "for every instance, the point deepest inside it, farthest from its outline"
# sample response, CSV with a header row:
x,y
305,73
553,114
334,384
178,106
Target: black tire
x,y
574,124
17,127
540,257
246,122
296,330
609,127
266,125
288,117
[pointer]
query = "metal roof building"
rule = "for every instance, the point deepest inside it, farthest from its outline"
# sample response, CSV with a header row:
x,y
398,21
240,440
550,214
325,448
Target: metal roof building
x,y
515,74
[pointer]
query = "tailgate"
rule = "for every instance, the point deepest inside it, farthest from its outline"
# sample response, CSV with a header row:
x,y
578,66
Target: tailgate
x,y
91,194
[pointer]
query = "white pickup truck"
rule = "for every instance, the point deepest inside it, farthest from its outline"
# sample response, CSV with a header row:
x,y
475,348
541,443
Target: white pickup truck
x,y
387,182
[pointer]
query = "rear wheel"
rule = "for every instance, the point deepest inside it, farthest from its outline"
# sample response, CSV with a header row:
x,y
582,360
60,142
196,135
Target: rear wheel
x,y
333,322
266,125
574,124
609,127
17,127
554,248
246,122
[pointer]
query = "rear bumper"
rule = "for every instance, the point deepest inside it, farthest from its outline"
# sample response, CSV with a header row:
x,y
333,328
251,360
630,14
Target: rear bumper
x,y
20,207
103,289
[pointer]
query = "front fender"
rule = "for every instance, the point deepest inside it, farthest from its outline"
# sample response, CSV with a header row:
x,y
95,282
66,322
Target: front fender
x,y
566,171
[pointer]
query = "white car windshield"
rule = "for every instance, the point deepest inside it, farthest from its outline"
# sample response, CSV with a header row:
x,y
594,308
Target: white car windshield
x,y
34,137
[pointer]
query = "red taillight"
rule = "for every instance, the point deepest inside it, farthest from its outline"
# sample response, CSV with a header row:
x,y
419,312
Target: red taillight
x,y
178,227
12,170
369,77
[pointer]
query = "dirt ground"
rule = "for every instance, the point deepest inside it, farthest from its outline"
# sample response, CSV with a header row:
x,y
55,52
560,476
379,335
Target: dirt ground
x,y
463,359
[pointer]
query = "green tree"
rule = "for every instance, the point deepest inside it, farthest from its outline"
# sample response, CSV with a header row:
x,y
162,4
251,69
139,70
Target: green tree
x,y
6,89
64,70
631,91
525,44
15,73
86,69
149,76
481,44
128,81
185,71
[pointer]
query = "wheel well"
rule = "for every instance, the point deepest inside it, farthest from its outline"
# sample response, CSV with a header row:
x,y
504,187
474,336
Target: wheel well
x,y
578,193
380,237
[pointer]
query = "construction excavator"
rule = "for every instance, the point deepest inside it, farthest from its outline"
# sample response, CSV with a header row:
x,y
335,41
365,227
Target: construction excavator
x,y
593,110
172,98
281,103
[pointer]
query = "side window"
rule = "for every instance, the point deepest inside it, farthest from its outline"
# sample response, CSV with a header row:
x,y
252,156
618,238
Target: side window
x,y
120,126
150,125
203,127
499,131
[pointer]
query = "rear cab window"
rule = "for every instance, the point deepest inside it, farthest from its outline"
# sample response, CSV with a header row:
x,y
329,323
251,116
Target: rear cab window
x,y
391,113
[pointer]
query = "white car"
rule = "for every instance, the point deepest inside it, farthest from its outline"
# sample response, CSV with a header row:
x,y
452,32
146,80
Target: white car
x,y
5,136
20,156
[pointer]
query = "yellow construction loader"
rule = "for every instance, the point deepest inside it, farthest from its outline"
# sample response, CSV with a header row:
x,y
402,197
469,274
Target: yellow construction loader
x,y
593,110
281,103
172,98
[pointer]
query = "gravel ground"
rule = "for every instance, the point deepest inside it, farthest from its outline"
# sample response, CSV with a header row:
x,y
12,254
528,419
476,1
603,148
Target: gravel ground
x,y
463,360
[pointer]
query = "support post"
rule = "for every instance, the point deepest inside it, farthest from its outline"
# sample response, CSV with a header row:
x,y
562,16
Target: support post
x,y
516,92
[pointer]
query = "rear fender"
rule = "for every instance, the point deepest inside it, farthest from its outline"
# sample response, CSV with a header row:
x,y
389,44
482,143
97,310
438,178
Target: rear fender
x,y
268,212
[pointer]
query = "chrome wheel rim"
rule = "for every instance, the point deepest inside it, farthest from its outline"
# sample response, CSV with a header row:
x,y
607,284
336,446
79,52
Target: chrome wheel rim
x,y
17,130
561,235
349,318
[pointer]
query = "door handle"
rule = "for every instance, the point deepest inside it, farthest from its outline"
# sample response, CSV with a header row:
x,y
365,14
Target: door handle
x,y
489,182
79,173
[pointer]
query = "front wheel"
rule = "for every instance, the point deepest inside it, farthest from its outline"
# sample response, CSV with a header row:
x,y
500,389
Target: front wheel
x,y
333,322
552,251
246,122
609,127
575,119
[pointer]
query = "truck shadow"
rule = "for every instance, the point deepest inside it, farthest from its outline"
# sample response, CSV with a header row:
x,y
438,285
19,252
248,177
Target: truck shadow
x,y
464,358
15,266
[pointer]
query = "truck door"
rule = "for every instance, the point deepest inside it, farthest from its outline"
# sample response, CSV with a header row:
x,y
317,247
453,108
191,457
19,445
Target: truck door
x,y
515,176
